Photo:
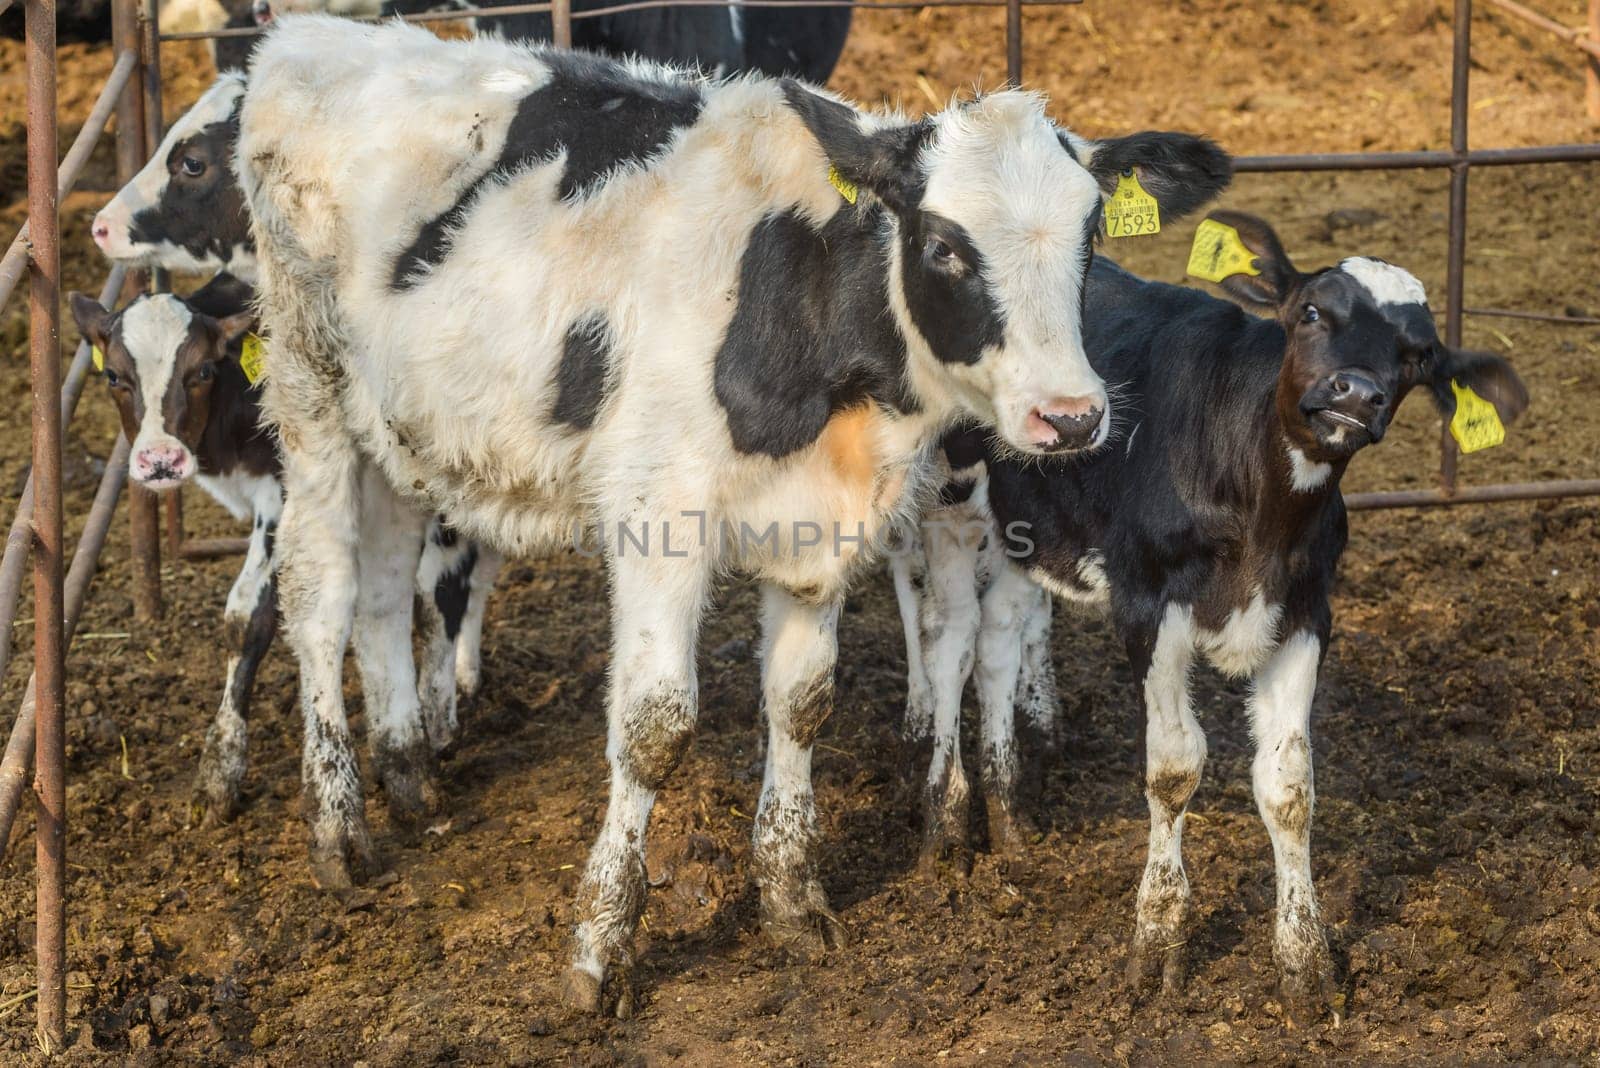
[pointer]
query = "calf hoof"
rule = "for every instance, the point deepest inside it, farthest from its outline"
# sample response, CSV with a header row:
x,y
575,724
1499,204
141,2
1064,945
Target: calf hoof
x,y
1306,984
406,775
1011,833
801,921
345,863
1158,955
217,795
612,996
944,859
214,802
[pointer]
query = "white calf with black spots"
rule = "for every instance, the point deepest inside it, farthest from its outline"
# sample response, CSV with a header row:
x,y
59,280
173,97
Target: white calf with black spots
x,y
542,291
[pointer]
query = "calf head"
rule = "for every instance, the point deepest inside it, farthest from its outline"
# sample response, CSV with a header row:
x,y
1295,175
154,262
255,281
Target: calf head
x,y
994,213
185,210
161,362
1360,337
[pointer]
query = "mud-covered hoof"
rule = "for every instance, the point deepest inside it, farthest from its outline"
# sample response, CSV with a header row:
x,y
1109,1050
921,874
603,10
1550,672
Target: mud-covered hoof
x,y
407,778
217,795
342,867
1158,964
1308,991
214,803
613,996
1011,833
944,860
807,932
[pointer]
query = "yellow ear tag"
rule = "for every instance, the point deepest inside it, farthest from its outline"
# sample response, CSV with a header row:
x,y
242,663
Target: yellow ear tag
x,y
251,358
1218,252
1131,212
1476,425
846,189
98,357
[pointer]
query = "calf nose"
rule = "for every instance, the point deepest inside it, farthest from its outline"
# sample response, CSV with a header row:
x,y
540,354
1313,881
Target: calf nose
x,y
1357,390
1066,422
160,463
100,231
261,11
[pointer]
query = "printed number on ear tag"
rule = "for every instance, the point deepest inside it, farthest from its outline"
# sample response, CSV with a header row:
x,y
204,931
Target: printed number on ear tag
x,y
251,358
1476,425
1131,212
847,189
1218,252
98,357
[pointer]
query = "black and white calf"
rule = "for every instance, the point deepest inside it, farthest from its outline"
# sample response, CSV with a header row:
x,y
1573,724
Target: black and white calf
x,y
784,40
184,210
173,369
543,291
1211,526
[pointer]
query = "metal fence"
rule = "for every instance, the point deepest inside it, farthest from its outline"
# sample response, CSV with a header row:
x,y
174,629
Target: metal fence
x,y
133,93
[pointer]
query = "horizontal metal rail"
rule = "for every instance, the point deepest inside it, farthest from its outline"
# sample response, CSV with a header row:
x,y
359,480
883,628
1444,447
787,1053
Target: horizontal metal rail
x,y
639,5
16,257
1583,152
1507,491
1539,317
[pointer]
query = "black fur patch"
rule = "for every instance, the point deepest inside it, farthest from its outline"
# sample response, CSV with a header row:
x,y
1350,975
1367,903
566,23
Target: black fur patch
x,y
593,110
812,333
954,309
581,375
450,593
203,215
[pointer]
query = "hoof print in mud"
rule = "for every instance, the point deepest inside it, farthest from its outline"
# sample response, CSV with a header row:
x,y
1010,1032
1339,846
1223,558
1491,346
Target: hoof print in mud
x,y
582,993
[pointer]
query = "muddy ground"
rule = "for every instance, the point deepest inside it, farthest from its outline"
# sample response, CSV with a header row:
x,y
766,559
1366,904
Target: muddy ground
x,y
1458,759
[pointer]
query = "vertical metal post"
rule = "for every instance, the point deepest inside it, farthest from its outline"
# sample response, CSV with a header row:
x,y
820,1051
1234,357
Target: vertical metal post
x,y
44,326
173,503
561,23
1014,42
1592,79
131,155
1455,281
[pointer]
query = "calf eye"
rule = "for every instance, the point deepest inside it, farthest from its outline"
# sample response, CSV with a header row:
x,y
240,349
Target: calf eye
x,y
111,377
1311,315
205,373
194,168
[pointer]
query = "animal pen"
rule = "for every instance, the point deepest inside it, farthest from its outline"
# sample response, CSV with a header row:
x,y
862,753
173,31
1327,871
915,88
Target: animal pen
x,y
133,93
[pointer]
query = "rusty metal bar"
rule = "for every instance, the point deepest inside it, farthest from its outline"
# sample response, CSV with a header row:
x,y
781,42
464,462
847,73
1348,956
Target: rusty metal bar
x,y
71,168
14,562
1401,161
19,750
561,23
1014,42
44,350
1456,249
1508,491
1568,34
172,504
619,9
1541,317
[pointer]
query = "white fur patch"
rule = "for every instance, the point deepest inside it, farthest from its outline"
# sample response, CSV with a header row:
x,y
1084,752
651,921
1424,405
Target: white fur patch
x,y
1091,572
152,330
1387,283
1246,639
1306,475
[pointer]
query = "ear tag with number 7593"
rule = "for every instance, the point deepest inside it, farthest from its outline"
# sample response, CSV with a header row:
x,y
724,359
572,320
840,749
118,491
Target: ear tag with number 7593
x,y
1131,212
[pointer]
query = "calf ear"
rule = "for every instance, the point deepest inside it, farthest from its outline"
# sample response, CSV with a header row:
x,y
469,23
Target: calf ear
x,y
1181,171
1485,374
94,322
235,327
883,162
1278,278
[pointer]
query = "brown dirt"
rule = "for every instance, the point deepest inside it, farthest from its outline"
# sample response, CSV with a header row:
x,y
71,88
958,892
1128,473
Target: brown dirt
x,y
1457,752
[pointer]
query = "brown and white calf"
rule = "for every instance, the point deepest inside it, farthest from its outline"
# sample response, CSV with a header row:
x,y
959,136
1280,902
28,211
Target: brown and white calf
x,y
1210,526
545,291
172,366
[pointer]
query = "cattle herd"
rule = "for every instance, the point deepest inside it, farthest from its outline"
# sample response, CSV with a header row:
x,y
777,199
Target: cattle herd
x,y
484,296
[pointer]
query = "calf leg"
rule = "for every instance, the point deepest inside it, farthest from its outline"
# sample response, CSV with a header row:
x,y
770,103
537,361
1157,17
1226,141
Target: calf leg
x,y
249,622
1175,754
317,581
1280,716
950,618
1036,690
1007,608
656,609
469,642
910,571
387,554
444,578
799,649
